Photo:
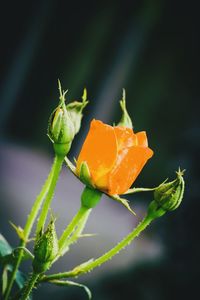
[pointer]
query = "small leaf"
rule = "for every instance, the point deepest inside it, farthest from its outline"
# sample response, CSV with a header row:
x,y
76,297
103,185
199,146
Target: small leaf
x,y
19,231
123,202
72,283
5,248
20,279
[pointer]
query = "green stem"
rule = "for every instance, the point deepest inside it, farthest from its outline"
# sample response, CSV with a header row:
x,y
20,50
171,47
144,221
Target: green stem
x,y
77,232
79,219
14,271
102,259
29,286
58,161
125,242
30,221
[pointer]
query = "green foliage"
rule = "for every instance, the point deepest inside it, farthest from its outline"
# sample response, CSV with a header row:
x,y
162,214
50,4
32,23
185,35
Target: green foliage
x,y
7,259
5,248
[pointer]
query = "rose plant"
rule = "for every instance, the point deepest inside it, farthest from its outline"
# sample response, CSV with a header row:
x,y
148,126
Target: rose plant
x,y
110,160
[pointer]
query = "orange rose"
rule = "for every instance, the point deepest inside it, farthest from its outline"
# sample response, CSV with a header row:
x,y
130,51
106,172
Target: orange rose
x,y
115,156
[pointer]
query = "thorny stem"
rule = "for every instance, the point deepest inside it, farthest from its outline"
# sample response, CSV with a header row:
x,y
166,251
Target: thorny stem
x,y
84,268
49,184
29,286
56,171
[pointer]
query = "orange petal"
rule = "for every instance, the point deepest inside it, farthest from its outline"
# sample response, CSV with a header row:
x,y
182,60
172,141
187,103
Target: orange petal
x,y
125,137
129,164
99,151
142,139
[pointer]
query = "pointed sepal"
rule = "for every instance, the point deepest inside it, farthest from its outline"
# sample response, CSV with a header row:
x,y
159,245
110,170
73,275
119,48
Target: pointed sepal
x,y
123,201
125,119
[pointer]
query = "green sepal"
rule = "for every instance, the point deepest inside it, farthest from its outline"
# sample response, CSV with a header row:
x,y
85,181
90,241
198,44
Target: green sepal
x,y
72,283
90,197
75,110
125,119
123,201
139,190
70,165
84,174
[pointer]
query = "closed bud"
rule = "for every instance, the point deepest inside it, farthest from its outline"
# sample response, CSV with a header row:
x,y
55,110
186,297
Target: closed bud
x,y
45,249
75,110
61,128
169,195
125,119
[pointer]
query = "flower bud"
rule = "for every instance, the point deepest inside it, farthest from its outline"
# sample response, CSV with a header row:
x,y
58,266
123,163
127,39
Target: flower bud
x,y
61,129
75,111
45,249
125,119
169,195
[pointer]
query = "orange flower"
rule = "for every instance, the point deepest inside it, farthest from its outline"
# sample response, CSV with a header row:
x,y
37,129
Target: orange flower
x,y
115,156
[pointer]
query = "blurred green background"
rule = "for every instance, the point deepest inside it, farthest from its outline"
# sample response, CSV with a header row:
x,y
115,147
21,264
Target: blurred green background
x,y
150,48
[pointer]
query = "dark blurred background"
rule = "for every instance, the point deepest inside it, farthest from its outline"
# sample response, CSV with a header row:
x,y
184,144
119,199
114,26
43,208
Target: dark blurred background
x,y
150,48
